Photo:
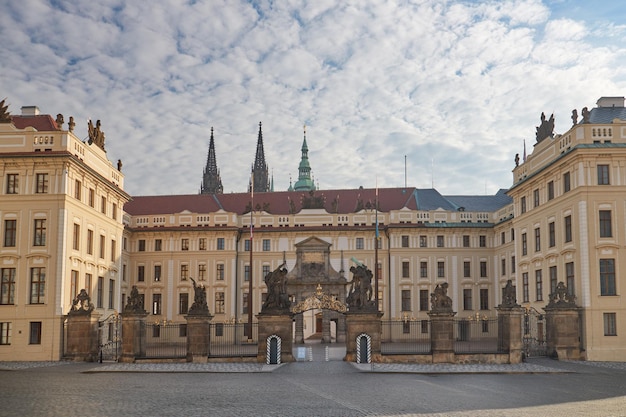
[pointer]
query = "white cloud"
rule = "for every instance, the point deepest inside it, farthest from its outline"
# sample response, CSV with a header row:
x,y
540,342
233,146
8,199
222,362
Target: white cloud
x,y
462,83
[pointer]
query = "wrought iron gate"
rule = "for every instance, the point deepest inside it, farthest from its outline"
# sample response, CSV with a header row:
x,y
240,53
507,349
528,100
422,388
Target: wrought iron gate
x,y
534,333
110,338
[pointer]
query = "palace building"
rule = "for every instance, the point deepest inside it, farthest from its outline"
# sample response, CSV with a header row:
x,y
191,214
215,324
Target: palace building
x,y
68,224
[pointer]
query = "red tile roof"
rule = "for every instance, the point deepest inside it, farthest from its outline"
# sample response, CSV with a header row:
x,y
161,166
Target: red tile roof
x,y
41,123
334,201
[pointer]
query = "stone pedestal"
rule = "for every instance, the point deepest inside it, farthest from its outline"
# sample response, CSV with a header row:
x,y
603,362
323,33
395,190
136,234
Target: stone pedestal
x,y
133,336
82,337
281,326
299,329
198,337
363,323
442,336
510,331
563,332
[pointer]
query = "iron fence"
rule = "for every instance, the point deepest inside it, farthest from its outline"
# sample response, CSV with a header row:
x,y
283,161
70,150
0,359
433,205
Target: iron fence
x,y
410,337
234,340
165,340
477,335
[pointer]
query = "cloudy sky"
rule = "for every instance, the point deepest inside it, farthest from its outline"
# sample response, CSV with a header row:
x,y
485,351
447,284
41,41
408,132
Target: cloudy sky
x,y
456,86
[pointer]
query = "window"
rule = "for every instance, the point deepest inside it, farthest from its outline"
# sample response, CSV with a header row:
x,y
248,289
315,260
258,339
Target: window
x,y
266,270
201,272
566,182
483,269
605,223
113,250
111,293
39,238
158,245
441,270
568,228
37,285
7,287
141,273
537,239
184,244
5,333
466,241
246,273
405,241
482,241
88,283
512,234
406,300
35,333
156,304
536,198
512,264
440,241
603,175
157,273
219,329
266,245
219,302
90,242
502,238
523,204
10,233
142,245
607,277
244,303
424,297
423,242
569,277
550,190
539,285
156,330
466,269
183,303
114,211
202,243
525,296
103,205
220,272
484,299
553,279
423,269
220,243
610,326
503,266
77,189
551,235
184,272
102,249
405,269
76,237
359,243
100,293
92,197
41,183
12,183
524,245
467,299
246,245
73,284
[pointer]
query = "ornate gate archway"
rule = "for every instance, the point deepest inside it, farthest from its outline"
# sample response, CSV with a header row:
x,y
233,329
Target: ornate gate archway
x,y
332,310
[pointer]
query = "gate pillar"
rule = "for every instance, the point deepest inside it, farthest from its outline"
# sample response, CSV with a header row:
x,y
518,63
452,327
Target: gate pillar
x,y
358,324
82,337
198,337
278,325
133,336
510,331
442,336
563,324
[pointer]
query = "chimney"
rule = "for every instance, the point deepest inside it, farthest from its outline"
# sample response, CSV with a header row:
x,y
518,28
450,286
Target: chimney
x,y
30,111
610,102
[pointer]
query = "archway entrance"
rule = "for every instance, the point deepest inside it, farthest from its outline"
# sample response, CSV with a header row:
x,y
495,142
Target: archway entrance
x,y
319,328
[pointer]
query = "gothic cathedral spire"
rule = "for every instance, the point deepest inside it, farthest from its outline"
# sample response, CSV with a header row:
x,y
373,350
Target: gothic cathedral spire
x,y
259,169
211,181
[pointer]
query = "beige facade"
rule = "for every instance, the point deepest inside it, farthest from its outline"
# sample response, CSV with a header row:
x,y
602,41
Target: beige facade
x,y
538,233
61,219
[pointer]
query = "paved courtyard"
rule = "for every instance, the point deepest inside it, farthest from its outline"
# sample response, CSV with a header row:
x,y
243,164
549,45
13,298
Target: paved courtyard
x,y
334,388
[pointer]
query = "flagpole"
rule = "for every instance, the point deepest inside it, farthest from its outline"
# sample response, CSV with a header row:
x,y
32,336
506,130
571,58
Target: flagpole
x,y
250,269
376,251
